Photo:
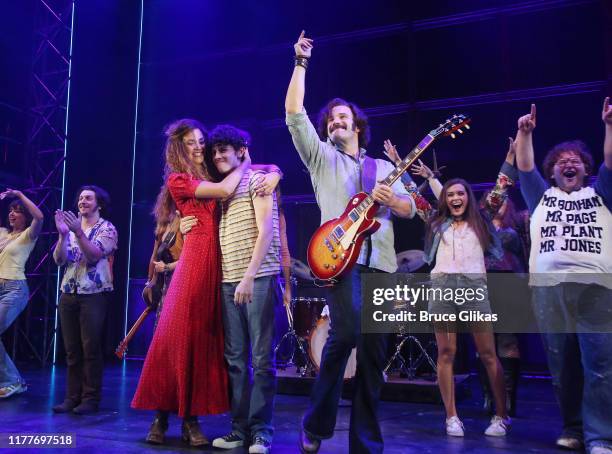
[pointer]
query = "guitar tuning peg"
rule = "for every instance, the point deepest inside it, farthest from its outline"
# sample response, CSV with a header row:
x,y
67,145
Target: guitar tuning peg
x,y
459,131
453,135
467,126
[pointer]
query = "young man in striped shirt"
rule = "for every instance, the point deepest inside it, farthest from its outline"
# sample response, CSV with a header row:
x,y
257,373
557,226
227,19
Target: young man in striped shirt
x,y
250,250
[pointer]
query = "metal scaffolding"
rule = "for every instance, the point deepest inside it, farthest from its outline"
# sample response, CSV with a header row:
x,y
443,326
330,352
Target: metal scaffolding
x,y
45,148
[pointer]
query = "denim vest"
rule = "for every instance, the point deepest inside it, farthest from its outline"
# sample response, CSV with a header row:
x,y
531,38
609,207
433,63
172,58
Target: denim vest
x,y
431,247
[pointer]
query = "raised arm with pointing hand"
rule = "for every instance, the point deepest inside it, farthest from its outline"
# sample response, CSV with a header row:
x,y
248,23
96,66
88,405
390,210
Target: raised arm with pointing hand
x,y
524,141
297,86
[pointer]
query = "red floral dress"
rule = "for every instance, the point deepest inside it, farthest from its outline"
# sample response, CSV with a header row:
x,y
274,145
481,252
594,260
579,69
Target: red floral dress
x,y
184,371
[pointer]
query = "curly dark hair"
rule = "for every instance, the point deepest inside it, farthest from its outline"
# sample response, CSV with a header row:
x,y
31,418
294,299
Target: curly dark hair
x,y
575,146
229,135
224,135
18,206
360,120
102,198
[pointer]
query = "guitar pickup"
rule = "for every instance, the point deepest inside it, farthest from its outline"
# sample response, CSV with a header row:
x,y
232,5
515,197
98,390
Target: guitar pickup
x,y
329,245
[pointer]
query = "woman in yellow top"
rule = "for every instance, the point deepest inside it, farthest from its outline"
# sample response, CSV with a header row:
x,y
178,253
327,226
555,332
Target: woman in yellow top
x,y
25,221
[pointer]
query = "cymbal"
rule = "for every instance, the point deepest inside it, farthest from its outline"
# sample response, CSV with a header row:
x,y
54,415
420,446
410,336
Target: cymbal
x,y
409,261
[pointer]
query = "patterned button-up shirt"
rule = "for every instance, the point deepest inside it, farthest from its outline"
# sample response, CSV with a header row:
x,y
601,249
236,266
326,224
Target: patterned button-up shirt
x,y
86,278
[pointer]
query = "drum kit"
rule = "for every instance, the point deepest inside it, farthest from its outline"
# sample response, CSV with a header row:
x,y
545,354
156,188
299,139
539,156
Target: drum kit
x,y
308,325
308,330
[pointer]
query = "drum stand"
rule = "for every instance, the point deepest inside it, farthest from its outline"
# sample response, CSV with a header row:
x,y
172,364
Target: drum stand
x,y
409,366
294,340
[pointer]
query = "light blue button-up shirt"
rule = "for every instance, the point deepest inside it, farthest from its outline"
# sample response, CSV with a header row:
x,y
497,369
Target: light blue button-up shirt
x,y
336,177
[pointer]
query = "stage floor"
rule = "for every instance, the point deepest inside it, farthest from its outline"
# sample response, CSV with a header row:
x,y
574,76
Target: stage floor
x,y
407,427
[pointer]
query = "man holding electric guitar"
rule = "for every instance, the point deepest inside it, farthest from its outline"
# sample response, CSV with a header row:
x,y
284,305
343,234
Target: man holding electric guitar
x,y
339,169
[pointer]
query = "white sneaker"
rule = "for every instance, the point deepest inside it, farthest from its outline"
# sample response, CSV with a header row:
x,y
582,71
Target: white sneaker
x,y
230,441
600,450
454,427
569,442
260,445
499,426
15,388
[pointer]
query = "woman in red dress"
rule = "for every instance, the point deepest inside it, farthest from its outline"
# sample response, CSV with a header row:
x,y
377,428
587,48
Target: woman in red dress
x,y
184,371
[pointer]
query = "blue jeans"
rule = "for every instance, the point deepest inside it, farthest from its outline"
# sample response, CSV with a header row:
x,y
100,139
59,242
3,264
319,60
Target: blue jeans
x,y
247,327
344,301
13,299
580,362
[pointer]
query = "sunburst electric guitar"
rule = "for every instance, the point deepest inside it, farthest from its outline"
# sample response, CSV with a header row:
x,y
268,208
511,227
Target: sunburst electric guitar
x,y
334,247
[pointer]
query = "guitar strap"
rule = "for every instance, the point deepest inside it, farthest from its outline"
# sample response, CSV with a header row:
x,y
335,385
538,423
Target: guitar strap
x,y
368,174
368,181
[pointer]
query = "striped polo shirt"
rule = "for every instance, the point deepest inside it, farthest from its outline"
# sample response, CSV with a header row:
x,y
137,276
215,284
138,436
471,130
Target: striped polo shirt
x,y
238,233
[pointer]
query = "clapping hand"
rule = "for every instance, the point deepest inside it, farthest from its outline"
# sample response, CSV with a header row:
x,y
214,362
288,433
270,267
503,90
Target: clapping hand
x,y
60,223
73,222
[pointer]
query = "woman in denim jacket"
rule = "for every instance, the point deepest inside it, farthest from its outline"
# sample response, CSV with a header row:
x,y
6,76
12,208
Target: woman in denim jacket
x,y
459,234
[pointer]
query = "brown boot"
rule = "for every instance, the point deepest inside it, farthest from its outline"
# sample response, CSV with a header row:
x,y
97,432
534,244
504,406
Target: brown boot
x,y
192,433
158,429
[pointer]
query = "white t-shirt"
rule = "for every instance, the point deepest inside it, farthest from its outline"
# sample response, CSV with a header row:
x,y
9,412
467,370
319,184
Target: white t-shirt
x,y
571,234
14,254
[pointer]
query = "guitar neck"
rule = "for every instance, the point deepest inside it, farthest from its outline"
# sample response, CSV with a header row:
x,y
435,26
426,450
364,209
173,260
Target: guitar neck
x,y
397,172
124,343
408,160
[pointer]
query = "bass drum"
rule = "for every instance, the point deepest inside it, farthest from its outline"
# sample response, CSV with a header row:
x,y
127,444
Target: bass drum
x,y
317,340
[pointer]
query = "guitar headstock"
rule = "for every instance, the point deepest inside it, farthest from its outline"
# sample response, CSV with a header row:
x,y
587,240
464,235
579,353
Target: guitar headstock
x,y
120,351
451,126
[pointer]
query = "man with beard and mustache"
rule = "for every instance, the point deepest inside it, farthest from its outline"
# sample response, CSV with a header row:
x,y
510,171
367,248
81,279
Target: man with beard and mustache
x,y
339,168
570,266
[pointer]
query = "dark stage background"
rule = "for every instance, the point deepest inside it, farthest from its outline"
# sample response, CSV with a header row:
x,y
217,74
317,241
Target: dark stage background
x,y
409,65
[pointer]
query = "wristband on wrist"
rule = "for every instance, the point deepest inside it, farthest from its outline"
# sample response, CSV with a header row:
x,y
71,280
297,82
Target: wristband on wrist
x,y
301,61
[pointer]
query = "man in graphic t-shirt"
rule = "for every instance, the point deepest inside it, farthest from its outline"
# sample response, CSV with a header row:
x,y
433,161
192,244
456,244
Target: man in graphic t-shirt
x,y
570,274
